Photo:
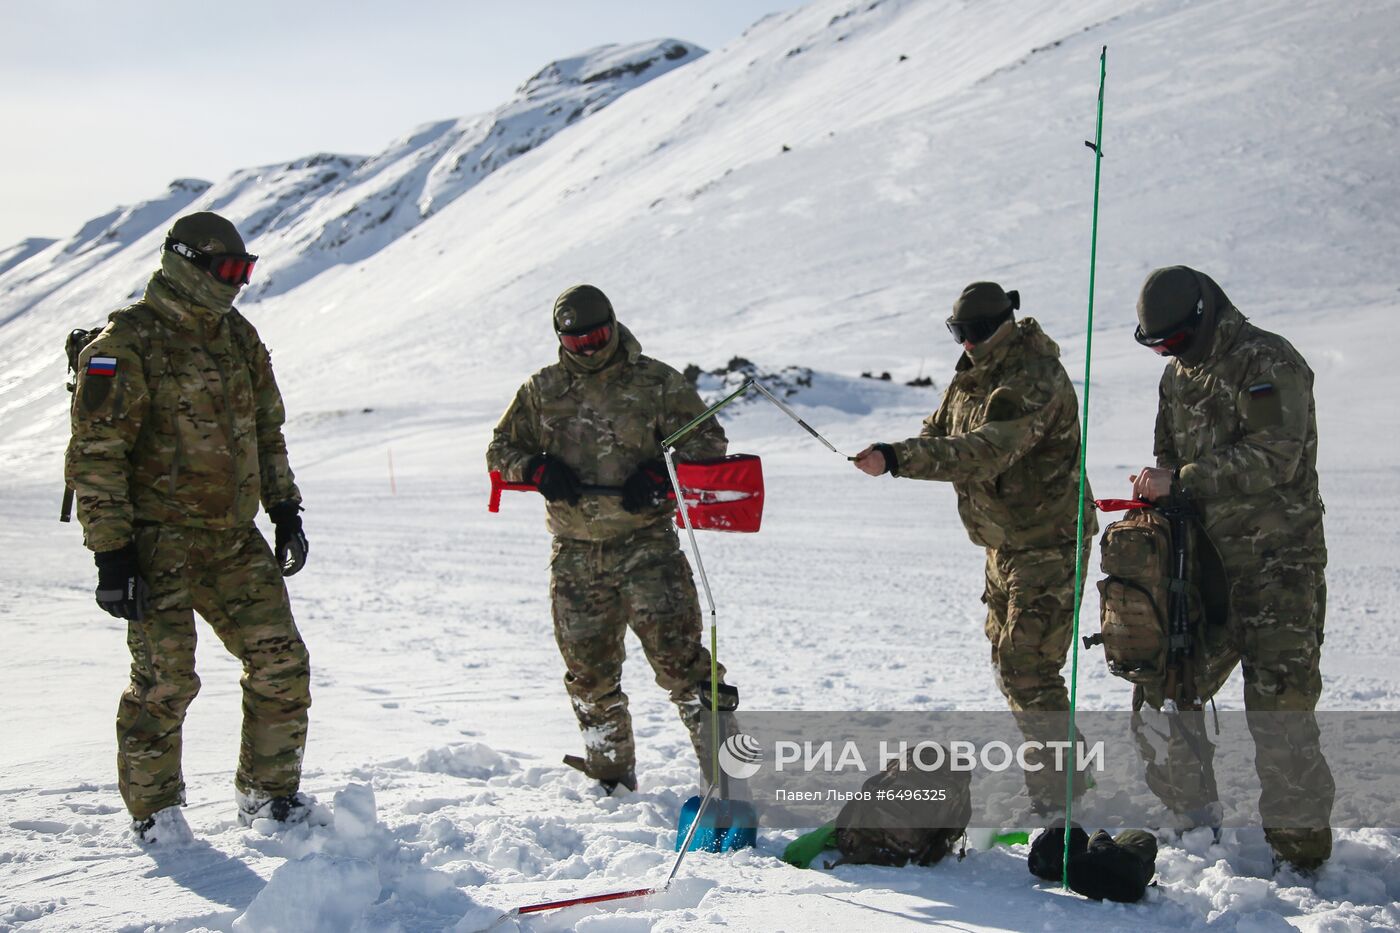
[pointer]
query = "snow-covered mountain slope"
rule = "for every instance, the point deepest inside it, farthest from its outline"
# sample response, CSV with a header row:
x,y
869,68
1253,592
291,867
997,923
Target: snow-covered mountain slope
x,y
22,250
385,197
814,194
820,190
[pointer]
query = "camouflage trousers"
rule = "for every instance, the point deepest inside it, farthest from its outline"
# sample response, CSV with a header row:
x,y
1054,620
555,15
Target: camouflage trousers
x,y
600,589
1275,630
1030,621
231,579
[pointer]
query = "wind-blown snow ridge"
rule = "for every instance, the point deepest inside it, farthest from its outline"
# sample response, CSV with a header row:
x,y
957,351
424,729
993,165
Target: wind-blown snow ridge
x,y
387,196
14,255
57,263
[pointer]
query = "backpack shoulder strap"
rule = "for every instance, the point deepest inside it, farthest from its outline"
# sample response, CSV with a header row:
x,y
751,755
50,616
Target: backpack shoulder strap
x,y
143,319
243,334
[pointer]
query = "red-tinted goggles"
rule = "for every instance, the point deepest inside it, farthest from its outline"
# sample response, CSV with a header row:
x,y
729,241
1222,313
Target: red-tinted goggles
x,y
1166,344
228,268
589,340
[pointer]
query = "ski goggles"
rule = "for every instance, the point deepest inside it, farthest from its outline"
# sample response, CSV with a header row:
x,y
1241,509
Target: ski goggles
x,y
976,331
1168,344
588,341
228,268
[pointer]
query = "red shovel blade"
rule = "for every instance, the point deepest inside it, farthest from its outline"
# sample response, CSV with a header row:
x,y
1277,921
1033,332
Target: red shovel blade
x,y
724,494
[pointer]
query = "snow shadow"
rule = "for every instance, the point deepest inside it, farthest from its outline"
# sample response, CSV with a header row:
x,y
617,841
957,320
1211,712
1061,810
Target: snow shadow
x,y
204,870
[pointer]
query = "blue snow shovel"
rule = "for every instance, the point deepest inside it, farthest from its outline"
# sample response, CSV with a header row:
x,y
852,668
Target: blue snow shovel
x,y
724,826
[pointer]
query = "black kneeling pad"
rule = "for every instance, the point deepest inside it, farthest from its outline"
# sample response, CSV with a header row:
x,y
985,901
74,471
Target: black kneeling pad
x,y
1046,860
1115,869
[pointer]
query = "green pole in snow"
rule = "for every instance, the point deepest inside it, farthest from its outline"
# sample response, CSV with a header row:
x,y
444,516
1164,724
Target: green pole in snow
x,y
1097,146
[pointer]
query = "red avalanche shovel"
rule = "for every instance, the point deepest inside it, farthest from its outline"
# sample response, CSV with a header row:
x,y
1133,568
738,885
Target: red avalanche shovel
x,y
1120,505
722,494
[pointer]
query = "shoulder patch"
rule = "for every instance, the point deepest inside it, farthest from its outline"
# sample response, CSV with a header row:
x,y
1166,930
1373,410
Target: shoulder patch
x,y
1263,407
98,376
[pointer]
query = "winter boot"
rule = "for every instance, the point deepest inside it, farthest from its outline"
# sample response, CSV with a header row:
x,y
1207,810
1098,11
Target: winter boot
x,y
164,827
1209,815
1304,870
287,809
609,784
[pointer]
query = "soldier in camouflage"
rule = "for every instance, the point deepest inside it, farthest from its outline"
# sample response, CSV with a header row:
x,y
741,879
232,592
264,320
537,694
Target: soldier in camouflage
x,y
596,418
1007,437
1236,434
176,440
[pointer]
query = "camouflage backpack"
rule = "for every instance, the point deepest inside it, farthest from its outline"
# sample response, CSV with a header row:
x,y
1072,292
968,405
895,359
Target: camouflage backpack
x,y
77,342
905,815
1144,565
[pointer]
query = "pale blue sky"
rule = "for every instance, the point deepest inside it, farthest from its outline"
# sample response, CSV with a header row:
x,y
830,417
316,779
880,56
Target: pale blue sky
x,y
104,103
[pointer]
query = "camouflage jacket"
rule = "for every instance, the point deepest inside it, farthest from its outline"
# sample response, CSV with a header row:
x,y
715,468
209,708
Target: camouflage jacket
x,y
603,425
177,420
1007,437
1242,429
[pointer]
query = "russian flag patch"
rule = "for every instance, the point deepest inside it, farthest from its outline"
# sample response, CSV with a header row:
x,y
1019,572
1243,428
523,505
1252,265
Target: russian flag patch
x,y
102,366
1261,390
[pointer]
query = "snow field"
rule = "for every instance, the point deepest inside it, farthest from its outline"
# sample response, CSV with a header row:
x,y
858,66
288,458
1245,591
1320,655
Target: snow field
x,y
1252,139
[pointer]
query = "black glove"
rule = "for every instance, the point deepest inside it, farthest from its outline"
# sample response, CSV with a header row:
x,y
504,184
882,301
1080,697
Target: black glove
x,y
290,546
120,589
646,487
554,478
891,460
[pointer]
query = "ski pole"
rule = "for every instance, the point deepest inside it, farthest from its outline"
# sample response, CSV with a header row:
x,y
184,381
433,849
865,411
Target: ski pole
x,y
782,406
710,602
667,447
704,416
1097,146
748,384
